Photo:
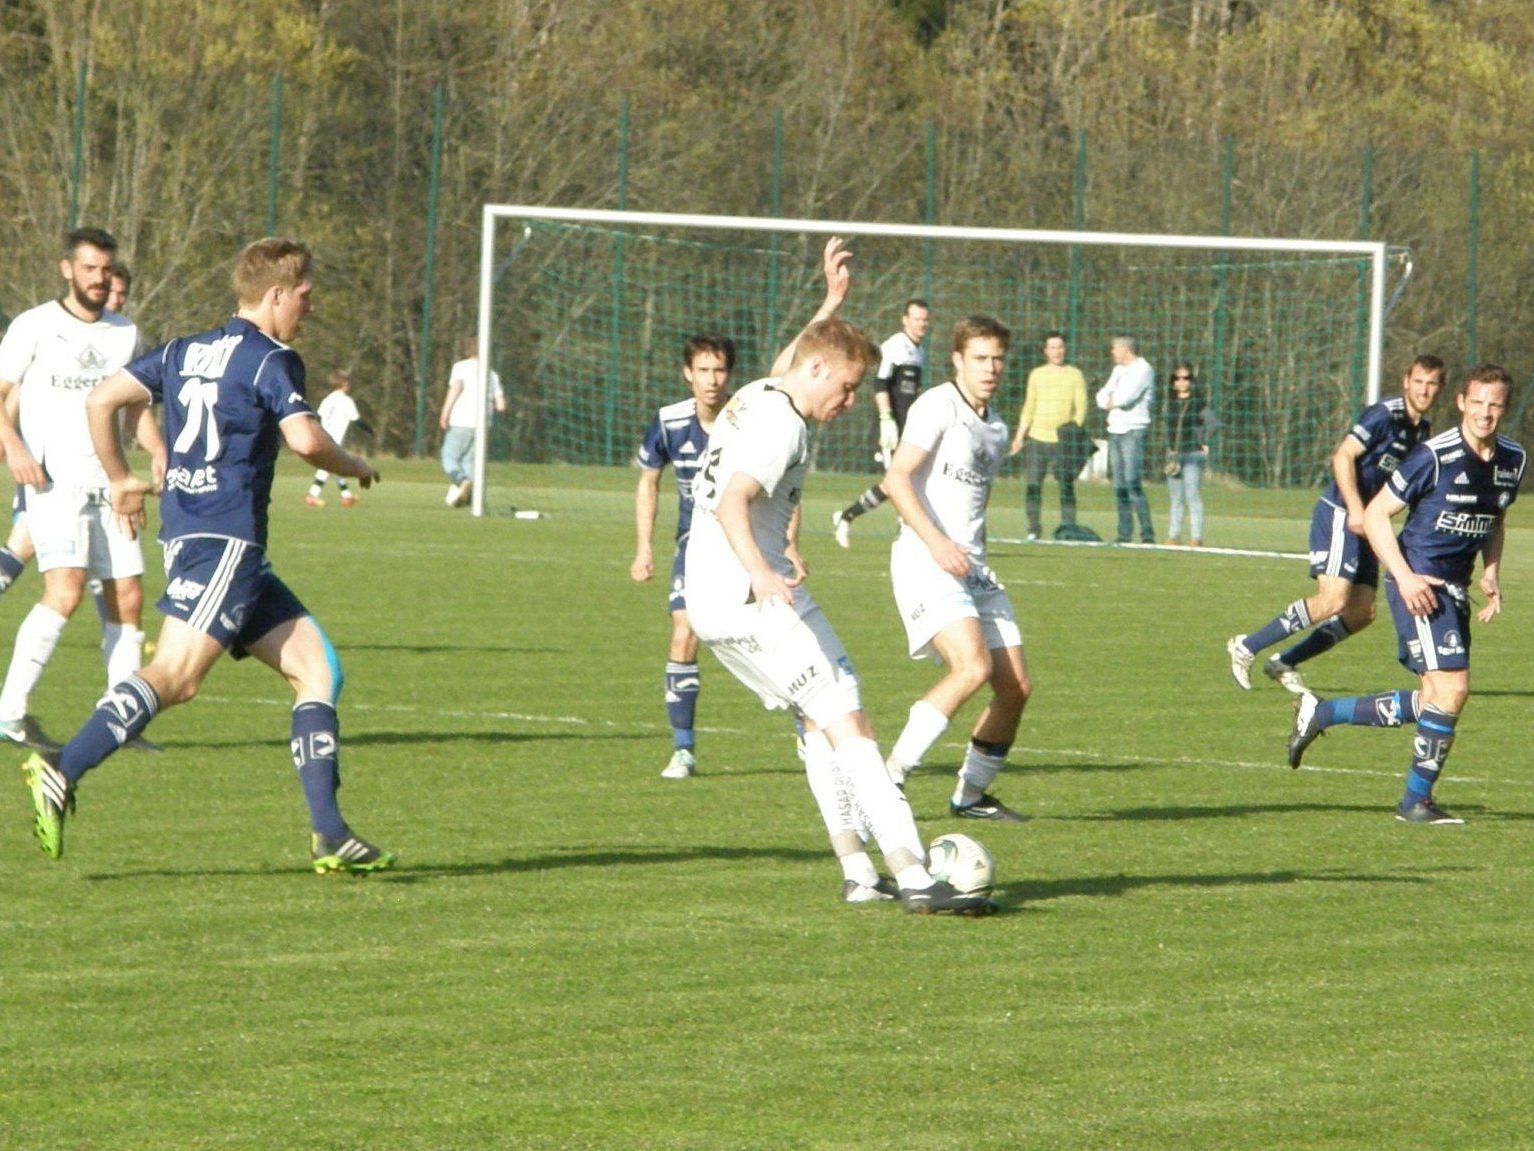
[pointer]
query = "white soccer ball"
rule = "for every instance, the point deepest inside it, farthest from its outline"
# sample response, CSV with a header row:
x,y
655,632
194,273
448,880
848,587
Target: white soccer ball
x,y
963,862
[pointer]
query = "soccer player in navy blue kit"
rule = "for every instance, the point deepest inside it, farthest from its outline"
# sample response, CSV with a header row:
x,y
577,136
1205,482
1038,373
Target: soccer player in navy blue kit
x,y
1456,489
1344,568
677,436
229,395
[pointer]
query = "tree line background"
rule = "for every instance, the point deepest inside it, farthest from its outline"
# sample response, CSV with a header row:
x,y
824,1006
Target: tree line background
x,y
1333,119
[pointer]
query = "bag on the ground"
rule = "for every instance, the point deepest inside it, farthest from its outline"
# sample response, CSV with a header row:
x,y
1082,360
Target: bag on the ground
x,y
1077,533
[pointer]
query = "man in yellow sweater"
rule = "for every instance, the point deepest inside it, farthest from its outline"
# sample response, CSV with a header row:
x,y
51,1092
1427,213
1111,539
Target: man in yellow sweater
x,y
1057,395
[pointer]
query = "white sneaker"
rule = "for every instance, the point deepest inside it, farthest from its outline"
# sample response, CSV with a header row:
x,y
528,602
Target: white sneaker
x,y
1241,661
1285,676
681,765
451,499
855,892
843,528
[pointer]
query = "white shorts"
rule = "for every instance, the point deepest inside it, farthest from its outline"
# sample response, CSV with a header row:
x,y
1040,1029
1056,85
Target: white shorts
x,y
929,599
789,656
74,528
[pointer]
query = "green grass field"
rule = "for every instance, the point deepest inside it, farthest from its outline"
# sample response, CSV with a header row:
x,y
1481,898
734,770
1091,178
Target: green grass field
x,y
1197,947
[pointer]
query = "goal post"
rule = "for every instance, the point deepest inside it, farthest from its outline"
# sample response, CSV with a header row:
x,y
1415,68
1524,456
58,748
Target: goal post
x,y
583,313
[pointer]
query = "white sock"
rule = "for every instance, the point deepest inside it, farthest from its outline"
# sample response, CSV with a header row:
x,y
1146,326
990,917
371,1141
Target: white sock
x,y
36,638
923,728
833,795
976,775
882,804
122,647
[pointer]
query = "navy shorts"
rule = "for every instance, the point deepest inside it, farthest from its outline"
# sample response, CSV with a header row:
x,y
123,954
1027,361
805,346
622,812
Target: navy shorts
x,y
1335,551
226,589
1437,642
678,598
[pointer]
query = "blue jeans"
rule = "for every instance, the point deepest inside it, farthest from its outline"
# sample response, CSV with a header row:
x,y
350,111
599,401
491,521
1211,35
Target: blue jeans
x,y
1126,463
1186,488
458,454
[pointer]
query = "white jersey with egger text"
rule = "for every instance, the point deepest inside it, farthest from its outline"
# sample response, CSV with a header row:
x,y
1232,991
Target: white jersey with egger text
x,y
759,434
57,358
964,450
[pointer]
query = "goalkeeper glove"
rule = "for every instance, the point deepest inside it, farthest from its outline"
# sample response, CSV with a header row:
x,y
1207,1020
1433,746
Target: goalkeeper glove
x,y
889,434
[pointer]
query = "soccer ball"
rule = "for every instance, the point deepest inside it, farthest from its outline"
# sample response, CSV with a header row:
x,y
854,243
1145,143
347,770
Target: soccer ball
x,y
963,862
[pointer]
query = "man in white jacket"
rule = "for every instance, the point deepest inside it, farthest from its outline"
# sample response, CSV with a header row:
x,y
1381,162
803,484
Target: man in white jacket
x,y
1127,397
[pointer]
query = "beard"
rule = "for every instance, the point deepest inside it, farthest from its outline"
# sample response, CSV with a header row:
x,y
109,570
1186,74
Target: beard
x,y
89,299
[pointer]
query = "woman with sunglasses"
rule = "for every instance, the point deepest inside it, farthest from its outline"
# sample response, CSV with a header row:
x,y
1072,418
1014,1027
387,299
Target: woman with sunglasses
x,y
1190,425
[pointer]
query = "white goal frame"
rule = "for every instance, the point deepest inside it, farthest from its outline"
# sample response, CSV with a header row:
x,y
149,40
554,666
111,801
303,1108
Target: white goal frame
x,y
1376,251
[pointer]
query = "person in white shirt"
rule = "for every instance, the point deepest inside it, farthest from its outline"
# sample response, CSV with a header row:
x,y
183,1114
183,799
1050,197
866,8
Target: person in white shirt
x,y
954,608
50,358
337,413
747,602
460,413
1127,398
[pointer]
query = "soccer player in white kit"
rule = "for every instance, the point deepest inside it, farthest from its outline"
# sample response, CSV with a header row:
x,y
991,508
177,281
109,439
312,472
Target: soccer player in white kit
x,y
747,604
51,357
337,413
954,608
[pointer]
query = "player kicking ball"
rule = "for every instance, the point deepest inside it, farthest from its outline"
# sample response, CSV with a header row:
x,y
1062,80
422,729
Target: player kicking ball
x,y
229,395
1456,489
747,603
954,608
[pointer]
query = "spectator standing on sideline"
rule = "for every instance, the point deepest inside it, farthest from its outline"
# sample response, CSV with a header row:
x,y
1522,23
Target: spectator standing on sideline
x,y
1127,398
1190,425
1056,396
460,416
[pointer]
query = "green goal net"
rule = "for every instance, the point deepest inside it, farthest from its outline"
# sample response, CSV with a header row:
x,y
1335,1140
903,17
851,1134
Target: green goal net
x,y
584,319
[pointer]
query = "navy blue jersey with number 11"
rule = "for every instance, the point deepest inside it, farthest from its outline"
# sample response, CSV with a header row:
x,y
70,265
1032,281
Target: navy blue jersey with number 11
x,y
224,394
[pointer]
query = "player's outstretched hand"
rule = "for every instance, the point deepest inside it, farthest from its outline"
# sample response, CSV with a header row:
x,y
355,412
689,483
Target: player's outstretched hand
x,y
1493,594
128,495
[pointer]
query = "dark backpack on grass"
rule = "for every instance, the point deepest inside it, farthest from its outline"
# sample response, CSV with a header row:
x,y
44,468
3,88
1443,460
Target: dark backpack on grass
x,y
1077,533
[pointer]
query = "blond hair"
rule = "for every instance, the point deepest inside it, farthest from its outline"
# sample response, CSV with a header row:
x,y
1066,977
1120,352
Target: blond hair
x,y
836,338
273,262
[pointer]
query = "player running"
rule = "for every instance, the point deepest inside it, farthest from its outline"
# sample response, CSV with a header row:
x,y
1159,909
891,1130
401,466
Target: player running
x,y
954,608
229,395
747,603
337,413
1456,489
1341,562
677,435
901,361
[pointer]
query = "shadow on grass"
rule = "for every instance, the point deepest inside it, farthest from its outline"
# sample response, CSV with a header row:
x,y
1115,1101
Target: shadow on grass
x,y
417,872
1019,895
1230,811
431,648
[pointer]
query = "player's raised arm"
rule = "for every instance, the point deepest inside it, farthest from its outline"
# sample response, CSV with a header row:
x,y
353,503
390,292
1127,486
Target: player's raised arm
x,y
834,263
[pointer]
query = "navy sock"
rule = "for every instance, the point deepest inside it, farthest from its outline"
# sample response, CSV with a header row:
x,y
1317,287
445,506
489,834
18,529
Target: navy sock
x,y
1294,618
10,568
316,750
1387,709
1435,736
120,715
682,686
1319,641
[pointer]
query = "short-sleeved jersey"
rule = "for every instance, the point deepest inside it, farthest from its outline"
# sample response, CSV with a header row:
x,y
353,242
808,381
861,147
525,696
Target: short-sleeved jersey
x,y
466,406
1454,500
224,394
1386,434
759,434
965,451
57,358
676,437
337,412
